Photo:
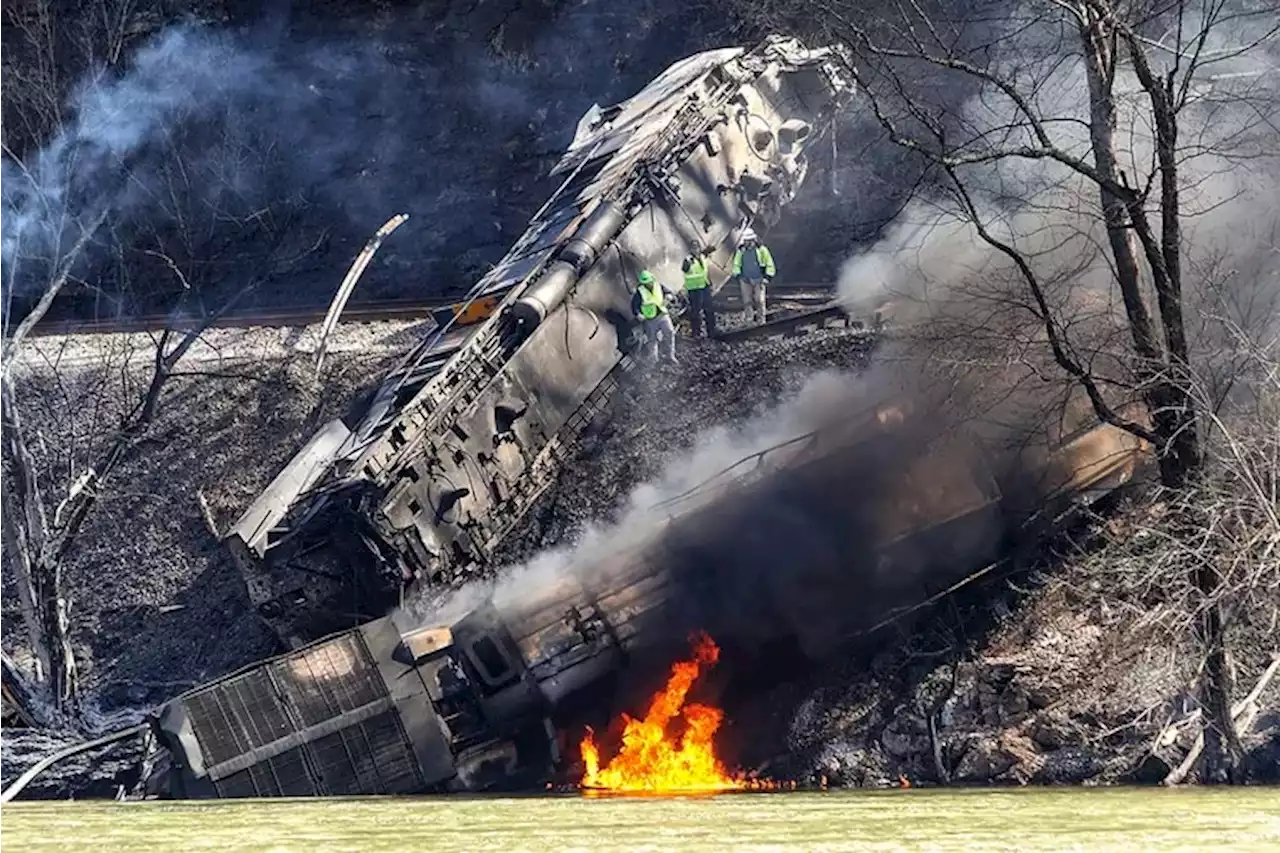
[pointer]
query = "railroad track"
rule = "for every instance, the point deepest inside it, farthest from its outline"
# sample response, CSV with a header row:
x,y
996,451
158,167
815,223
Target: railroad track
x,y
799,323
390,310
278,317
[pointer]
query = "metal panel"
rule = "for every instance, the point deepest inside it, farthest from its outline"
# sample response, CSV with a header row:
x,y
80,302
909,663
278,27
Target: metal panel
x,y
319,720
328,680
368,758
232,718
284,775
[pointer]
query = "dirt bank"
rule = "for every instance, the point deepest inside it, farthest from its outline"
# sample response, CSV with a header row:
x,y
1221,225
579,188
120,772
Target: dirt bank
x,y
156,605
659,417
1049,676
1053,673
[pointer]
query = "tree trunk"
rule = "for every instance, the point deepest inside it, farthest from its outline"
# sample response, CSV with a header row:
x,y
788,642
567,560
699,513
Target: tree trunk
x,y
20,552
65,678
1099,42
39,578
1181,457
1162,371
1163,366
1220,760
1099,45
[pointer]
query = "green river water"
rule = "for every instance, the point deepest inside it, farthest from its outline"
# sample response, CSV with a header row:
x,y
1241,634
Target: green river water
x,y
925,820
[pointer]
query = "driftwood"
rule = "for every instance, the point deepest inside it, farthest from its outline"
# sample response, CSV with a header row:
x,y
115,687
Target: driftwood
x,y
1242,715
62,754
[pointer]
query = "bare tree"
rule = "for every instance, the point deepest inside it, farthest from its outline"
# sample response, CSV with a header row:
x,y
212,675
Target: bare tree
x,y
197,227
55,42
26,527
1093,134
47,505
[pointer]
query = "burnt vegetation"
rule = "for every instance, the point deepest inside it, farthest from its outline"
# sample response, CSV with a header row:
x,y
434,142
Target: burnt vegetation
x,y
1096,219
1097,200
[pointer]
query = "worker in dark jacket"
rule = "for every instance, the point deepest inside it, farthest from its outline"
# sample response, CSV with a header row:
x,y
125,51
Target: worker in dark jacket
x,y
649,305
754,269
697,284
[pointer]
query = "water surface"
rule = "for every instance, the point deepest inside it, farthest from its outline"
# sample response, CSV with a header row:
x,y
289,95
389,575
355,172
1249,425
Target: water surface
x,y
925,820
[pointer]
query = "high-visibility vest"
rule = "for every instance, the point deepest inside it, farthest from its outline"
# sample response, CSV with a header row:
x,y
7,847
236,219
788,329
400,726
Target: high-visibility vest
x,y
696,277
763,257
652,302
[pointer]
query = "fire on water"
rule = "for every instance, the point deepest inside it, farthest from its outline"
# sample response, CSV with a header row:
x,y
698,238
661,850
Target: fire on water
x,y
651,760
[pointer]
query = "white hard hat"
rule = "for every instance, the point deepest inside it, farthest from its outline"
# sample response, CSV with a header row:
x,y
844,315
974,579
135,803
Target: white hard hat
x,y
747,234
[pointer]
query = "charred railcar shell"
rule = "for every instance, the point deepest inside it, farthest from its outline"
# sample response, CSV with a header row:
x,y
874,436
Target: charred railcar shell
x,y
362,712
474,705
426,476
811,550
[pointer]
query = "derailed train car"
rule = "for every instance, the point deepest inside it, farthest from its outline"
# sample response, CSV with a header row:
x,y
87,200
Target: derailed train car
x,y
810,544
428,472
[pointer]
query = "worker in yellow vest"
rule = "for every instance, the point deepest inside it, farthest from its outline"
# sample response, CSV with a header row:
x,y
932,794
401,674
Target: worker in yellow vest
x,y
697,284
754,269
649,305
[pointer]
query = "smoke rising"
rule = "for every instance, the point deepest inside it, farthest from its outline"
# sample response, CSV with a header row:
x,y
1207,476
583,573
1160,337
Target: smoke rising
x,y
182,76
931,264
715,454
798,547
292,139
760,554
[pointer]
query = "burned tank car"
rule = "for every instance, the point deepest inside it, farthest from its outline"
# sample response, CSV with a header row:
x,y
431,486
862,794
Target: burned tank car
x,y
432,468
813,541
800,551
365,711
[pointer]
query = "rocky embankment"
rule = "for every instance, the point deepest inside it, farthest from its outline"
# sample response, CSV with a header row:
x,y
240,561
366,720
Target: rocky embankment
x,y
156,605
1045,677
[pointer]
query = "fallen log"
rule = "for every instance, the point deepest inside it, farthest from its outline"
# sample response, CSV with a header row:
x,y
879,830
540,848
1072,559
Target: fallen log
x,y
1242,714
63,754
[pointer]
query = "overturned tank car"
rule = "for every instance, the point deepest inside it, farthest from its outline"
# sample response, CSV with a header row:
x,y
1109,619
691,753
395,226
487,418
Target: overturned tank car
x,y
430,469
875,514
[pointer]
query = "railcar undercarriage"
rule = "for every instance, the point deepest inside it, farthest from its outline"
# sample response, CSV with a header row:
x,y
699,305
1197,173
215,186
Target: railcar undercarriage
x,y
430,470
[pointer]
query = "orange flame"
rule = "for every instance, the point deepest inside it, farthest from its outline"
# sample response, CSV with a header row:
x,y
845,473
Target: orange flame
x,y
649,761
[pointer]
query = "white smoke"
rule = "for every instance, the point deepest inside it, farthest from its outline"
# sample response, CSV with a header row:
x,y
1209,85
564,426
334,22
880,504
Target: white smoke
x,y
719,456
85,170
931,262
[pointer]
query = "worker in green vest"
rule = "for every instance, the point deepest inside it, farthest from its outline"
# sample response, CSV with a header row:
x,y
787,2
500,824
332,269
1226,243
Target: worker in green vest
x,y
754,269
697,284
649,305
